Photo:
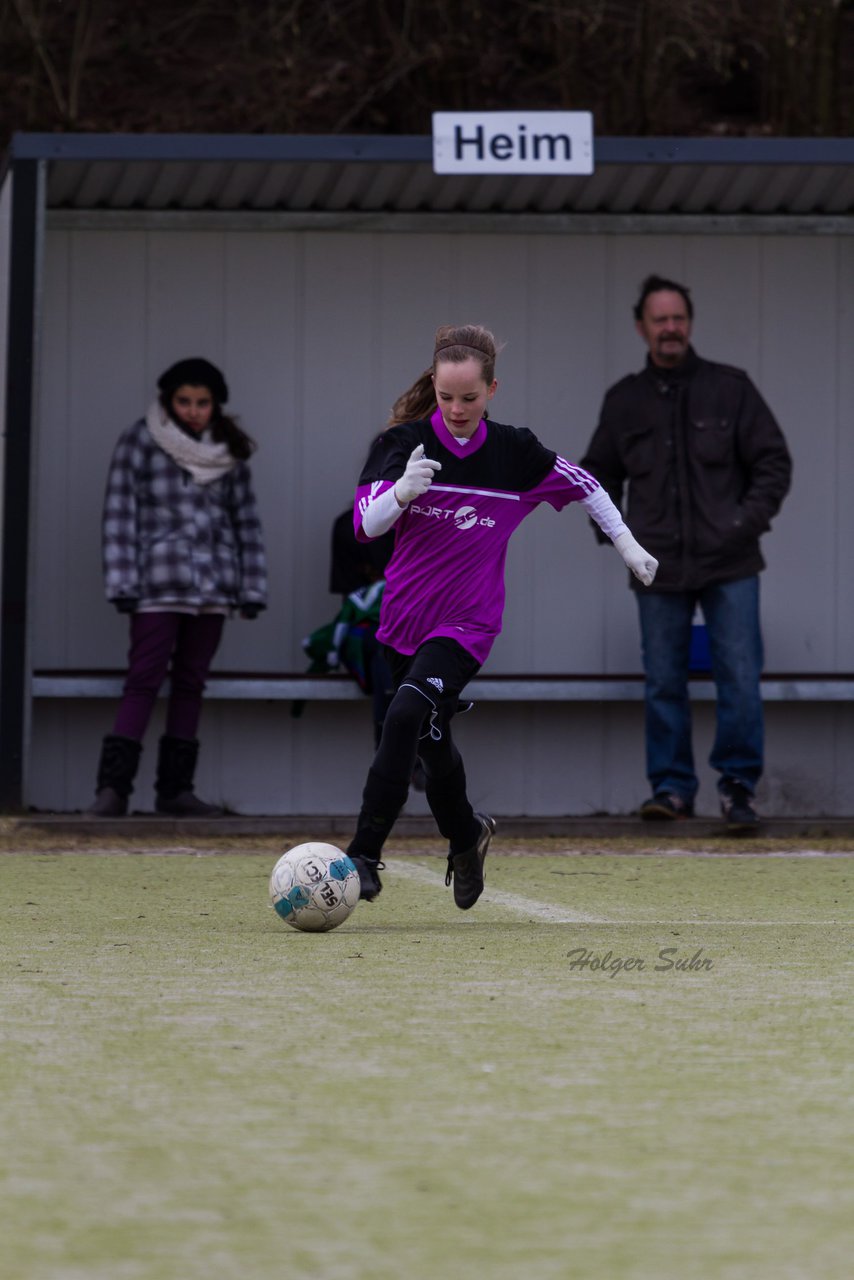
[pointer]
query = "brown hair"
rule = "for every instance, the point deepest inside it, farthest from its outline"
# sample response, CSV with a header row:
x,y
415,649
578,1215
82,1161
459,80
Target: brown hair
x,y
453,344
226,430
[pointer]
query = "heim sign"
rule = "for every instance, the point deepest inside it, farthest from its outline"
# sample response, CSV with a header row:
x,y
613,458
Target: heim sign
x,y
533,142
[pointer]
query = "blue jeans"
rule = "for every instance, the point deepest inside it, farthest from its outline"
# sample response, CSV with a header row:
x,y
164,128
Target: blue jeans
x,y
731,612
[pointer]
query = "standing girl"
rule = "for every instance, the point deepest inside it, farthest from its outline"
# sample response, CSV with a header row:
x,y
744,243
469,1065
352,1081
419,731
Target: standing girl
x,y
182,548
455,487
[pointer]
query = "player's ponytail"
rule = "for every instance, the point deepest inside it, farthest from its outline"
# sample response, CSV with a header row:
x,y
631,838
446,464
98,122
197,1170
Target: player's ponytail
x,y
416,403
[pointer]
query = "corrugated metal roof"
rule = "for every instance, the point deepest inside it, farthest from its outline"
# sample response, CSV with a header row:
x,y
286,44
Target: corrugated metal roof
x,y
354,174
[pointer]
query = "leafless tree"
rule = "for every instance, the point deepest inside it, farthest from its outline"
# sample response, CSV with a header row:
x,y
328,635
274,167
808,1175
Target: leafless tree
x,y
64,76
382,66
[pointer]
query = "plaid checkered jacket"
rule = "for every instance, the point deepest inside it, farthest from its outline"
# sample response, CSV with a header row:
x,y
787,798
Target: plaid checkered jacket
x,y
169,541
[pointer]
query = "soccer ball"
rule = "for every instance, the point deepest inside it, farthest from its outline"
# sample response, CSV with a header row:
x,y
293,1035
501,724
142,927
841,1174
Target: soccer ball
x,y
314,887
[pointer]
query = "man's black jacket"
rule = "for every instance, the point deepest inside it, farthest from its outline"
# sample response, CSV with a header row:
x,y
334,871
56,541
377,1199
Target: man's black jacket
x,y
705,464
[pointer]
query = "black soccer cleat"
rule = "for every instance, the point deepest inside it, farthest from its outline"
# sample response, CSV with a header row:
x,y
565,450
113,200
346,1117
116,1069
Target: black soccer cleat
x,y
368,877
466,869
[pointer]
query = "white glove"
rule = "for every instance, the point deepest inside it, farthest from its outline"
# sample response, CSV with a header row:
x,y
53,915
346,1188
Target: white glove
x,y
641,563
417,477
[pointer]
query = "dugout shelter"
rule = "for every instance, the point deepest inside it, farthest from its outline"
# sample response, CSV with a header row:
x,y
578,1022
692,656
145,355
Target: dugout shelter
x,y
314,271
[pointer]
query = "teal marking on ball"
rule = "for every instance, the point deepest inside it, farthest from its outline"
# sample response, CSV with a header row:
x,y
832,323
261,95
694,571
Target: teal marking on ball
x,y
341,868
292,901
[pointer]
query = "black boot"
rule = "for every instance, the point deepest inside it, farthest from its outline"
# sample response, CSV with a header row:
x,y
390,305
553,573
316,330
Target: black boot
x,y
116,772
176,769
466,868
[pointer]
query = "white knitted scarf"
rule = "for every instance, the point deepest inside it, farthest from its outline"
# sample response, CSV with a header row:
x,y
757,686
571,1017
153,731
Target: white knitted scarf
x,y
204,460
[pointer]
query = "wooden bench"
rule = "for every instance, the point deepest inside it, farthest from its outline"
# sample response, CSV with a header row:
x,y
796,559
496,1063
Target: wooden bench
x,y
295,687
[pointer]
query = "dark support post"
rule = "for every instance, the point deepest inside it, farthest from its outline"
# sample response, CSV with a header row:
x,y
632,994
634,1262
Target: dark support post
x,y
20,359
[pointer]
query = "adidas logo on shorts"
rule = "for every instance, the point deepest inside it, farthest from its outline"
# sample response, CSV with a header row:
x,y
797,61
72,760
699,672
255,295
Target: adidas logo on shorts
x,y
436,683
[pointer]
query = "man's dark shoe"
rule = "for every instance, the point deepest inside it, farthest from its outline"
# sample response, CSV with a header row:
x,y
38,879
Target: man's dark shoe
x,y
367,869
466,869
666,805
737,807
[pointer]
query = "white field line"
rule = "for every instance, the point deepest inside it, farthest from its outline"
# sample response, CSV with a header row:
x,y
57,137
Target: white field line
x,y
533,909
741,853
498,897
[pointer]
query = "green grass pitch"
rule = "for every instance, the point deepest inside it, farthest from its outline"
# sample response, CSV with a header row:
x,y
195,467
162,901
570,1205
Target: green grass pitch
x,y
625,1066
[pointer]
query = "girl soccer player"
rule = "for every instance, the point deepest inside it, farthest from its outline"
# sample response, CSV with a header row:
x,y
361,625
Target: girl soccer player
x,y
455,486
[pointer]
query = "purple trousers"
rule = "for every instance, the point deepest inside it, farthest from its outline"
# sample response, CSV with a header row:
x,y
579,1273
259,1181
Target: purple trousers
x,y
189,642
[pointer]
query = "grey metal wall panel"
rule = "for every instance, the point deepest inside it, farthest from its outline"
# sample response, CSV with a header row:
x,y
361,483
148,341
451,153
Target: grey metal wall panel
x,y
798,360
93,384
548,760
262,357
840,605
51,600
318,332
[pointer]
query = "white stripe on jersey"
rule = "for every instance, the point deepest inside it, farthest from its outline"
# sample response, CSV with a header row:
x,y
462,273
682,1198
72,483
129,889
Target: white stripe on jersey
x,y
481,493
576,474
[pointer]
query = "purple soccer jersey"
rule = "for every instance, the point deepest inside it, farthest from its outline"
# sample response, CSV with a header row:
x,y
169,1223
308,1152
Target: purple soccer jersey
x,y
446,576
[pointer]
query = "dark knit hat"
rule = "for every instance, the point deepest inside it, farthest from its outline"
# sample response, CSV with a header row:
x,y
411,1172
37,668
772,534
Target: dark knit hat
x,y
193,373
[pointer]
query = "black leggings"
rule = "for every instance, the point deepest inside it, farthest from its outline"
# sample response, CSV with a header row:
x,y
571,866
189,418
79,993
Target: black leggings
x,y
408,728
417,724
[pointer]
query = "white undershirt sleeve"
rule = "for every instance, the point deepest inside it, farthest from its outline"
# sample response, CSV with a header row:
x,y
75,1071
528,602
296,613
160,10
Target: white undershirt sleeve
x,y
381,514
601,509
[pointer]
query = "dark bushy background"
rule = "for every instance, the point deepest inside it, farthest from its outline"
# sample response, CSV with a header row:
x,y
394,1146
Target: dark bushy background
x,y
382,66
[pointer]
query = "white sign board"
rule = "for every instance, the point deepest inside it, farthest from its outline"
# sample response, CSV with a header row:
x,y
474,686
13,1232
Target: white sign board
x,y
513,142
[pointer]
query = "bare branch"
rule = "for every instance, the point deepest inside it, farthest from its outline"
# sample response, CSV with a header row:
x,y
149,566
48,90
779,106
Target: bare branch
x,y
31,19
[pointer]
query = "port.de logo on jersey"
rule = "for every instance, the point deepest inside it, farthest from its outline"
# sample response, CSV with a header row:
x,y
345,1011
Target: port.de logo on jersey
x,y
463,517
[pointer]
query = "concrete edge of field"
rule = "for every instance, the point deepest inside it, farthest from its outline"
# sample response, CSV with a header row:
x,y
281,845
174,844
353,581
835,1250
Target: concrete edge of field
x,y
56,828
